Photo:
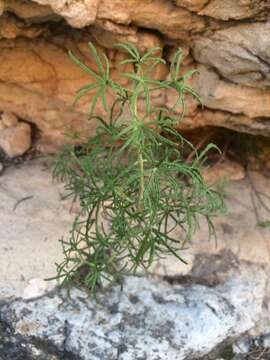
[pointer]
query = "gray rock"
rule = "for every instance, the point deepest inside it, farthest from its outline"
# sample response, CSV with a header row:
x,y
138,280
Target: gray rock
x,y
266,341
242,346
240,53
148,320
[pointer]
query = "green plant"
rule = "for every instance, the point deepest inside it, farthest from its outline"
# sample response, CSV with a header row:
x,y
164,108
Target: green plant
x,y
135,188
264,224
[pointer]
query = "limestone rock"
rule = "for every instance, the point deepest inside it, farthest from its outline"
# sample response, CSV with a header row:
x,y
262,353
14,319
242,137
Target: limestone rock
x,y
193,5
37,287
52,79
226,9
32,206
190,323
77,13
239,53
237,10
15,140
233,57
218,94
175,22
237,122
107,34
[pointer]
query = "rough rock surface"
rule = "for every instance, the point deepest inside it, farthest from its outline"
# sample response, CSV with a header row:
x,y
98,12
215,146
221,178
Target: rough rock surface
x,y
33,218
226,39
176,312
15,136
236,231
148,320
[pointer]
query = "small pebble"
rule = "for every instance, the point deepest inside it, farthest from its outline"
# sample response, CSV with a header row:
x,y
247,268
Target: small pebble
x,y
15,141
9,119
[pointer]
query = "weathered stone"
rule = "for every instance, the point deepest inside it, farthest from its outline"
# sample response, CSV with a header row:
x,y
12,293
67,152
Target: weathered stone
x,y
173,21
236,10
36,287
10,28
16,140
239,53
190,322
218,94
226,9
29,11
241,347
77,13
237,122
233,83
193,5
237,236
237,232
9,119
52,78
107,34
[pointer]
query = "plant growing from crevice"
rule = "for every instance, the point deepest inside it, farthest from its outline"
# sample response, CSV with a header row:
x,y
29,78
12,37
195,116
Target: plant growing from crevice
x,y
139,199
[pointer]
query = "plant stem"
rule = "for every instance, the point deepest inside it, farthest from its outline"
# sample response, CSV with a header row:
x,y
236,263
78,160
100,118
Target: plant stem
x,y
140,205
140,155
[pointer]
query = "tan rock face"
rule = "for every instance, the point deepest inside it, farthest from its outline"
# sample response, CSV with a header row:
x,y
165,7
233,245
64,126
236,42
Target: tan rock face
x,y
237,10
193,5
77,13
175,22
38,81
10,28
9,120
28,10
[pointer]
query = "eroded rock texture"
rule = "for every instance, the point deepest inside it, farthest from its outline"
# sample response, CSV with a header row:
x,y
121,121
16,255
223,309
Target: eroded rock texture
x,y
226,40
148,320
178,311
